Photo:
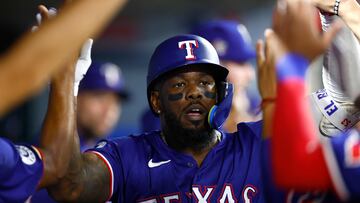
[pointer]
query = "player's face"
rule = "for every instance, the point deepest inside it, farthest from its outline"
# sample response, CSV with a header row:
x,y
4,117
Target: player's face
x,y
240,74
98,112
189,96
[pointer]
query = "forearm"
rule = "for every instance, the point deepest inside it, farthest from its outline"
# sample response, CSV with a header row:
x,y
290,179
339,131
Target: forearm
x,y
37,55
57,137
350,13
268,116
87,180
294,140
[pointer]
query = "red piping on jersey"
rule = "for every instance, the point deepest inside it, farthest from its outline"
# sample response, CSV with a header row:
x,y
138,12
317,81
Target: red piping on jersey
x,y
108,166
42,159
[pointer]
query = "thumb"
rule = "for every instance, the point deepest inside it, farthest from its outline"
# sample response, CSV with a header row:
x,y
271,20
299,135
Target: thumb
x,y
260,55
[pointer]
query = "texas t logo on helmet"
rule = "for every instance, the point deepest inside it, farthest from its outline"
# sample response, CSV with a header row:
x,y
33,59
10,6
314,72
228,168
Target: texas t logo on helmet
x,y
189,46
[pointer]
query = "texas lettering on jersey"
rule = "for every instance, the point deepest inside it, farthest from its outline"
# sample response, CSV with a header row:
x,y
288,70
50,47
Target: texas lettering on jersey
x,y
146,170
204,194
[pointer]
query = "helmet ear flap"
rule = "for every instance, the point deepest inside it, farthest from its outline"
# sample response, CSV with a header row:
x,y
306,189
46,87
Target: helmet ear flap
x,y
220,112
222,88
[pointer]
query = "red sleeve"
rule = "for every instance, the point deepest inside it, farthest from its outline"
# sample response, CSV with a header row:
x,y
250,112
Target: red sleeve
x,y
297,157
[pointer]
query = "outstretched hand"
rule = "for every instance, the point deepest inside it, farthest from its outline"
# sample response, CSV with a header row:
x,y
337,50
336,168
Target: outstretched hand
x,y
43,15
295,24
266,57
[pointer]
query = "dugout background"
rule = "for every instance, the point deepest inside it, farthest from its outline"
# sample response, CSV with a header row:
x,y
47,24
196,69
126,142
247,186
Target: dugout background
x,y
128,41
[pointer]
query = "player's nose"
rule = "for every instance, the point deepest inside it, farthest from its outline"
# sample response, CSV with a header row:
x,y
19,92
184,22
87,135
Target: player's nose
x,y
194,92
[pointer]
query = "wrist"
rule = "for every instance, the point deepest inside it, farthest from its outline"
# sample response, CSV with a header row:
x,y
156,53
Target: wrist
x,y
269,101
291,65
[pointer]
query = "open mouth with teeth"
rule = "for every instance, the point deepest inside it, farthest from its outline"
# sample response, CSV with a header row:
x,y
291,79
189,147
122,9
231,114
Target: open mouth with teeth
x,y
195,113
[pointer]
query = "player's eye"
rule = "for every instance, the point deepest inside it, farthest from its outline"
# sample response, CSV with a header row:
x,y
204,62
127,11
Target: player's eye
x,y
206,83
179,84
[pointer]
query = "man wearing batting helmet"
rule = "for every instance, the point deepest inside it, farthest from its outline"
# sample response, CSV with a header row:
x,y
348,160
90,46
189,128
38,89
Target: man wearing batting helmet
x,y
189,159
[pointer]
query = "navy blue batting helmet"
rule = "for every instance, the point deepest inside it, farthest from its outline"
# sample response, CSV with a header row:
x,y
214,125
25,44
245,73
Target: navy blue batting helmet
x,y
231,40
180,51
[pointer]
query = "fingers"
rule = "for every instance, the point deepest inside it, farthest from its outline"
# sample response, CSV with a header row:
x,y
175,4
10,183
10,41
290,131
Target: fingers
x,y
52,12
45,14
86,49
42,15
268,42
260,55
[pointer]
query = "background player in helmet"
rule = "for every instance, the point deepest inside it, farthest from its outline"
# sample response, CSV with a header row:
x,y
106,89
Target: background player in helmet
x,y
233,44
187,160
101,94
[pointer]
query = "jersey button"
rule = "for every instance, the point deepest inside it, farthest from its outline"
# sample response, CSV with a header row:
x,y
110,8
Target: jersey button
x,y
190,165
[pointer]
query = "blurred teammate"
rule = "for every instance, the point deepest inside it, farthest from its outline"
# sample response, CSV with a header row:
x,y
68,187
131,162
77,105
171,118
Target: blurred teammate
x,y
22,166
25,168
101,94
301,159
340,76
190,159
233,45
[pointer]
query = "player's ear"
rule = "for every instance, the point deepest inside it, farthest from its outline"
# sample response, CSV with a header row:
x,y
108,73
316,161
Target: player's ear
x,y
155,101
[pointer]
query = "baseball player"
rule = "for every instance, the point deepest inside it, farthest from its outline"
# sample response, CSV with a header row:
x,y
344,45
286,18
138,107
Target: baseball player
x,y
25,168
273,51
340,76
301,159
101,94
233,44
59,39
190,159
